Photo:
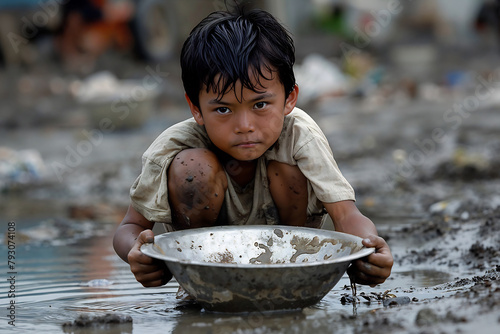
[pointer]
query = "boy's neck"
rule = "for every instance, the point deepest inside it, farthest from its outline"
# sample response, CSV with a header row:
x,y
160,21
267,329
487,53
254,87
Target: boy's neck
x,y
241,172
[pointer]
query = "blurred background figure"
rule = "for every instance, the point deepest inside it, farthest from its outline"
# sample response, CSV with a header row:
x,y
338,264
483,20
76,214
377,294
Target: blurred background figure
x,y
488,18
78,32
90,27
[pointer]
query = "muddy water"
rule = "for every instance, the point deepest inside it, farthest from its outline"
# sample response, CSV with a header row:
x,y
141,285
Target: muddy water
x,y
59,279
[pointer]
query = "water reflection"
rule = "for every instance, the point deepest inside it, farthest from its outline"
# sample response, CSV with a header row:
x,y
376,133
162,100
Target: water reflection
x,y
423,278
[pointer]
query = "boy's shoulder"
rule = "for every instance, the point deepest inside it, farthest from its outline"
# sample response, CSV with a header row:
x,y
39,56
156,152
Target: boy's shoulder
x,y
184,131
300,125
180,136
299,131
301,116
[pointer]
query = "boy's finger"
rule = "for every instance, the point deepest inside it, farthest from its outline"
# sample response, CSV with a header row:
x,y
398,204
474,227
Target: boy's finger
x,y
370,269
143,276
146,236
374,241
380,260
364,279
151,275
140,258
152,284
382,256
363,274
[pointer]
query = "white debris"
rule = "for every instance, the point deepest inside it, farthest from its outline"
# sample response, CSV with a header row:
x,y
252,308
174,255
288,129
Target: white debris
x,y
445,208
317,77
20,167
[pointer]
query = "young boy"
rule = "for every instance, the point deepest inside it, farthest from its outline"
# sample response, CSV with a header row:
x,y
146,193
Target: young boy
x,y
247,156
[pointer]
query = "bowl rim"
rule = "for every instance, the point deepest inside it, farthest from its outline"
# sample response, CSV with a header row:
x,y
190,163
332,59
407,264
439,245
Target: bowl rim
x,y
149,249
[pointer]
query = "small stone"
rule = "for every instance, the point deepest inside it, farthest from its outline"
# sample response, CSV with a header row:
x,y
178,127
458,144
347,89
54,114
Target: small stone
x,y
465,215
85,320
426,317
397,301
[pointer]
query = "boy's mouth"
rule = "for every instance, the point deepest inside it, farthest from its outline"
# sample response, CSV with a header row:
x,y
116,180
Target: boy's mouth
x,y
247,144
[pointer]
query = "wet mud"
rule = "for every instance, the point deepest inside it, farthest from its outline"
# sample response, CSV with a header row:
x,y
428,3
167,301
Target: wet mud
x,y
101,322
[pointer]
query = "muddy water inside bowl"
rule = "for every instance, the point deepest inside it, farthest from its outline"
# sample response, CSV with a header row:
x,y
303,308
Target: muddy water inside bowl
x,y
301,246
264,258
314,245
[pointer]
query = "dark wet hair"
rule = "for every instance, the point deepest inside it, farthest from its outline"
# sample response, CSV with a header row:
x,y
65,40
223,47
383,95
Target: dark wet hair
x,y
233,44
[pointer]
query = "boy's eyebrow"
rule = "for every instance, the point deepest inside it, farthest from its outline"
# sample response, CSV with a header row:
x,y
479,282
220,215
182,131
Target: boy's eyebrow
x,y
257,98
262,96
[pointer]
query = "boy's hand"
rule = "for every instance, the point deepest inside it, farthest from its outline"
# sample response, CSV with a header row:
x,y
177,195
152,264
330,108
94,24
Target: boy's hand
x,y
376,267
147,271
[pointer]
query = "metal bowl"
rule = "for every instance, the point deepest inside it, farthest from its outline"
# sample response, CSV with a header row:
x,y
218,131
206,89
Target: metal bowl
x,y
256,268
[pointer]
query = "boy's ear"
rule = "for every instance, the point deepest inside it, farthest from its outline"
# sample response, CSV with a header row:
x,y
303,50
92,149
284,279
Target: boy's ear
x,y
195,111
291,100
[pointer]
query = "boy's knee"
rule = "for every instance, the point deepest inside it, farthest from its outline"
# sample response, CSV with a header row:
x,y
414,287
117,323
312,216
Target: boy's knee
x,y
288,187
195,167
285,172
196,186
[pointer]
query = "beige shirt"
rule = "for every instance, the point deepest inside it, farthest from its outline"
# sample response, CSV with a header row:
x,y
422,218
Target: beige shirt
x,y
301,143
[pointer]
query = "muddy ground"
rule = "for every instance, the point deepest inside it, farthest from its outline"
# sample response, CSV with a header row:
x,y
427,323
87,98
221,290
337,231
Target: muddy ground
x,y
422,155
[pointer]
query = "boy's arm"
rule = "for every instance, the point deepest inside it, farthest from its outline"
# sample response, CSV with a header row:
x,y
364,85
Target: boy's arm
x,y
132,232
375,268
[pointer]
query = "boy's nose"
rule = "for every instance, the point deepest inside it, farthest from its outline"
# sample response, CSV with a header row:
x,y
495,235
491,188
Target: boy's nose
x,y
244,123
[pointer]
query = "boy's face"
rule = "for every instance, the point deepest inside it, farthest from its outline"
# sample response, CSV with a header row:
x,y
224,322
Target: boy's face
x,y
245,129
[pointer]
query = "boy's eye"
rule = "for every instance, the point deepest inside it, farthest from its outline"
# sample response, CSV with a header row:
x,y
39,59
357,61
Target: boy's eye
x,y
223,110
260,105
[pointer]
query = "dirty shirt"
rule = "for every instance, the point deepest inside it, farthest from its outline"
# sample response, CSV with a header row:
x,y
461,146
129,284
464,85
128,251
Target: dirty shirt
x,y
301,143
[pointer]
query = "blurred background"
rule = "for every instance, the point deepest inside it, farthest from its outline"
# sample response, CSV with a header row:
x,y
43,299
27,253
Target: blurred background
x,y
86,86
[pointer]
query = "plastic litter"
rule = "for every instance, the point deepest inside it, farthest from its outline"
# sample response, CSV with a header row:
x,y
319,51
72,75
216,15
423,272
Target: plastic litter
x,y
317,77
124,103
20,167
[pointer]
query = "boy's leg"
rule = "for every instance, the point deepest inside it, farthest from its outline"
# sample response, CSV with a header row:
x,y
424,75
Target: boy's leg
x,y
196,187
288,187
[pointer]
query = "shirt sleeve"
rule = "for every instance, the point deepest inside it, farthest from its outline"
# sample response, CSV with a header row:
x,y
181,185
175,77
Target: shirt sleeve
x,y
315,160
149,192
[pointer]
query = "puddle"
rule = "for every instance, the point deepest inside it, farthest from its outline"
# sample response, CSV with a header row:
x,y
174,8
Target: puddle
x,y
422,278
